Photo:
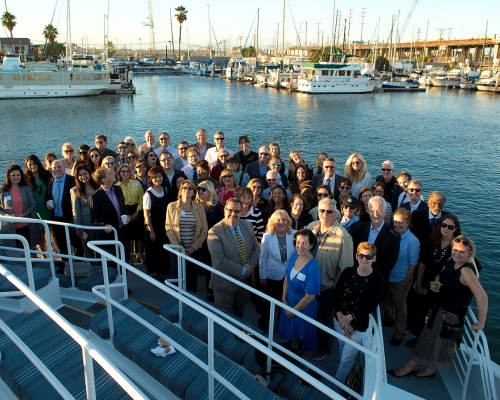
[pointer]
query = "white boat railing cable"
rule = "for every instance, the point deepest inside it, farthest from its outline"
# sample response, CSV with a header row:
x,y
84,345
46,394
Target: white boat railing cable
x,y
474,351
30,255
89,351
234,326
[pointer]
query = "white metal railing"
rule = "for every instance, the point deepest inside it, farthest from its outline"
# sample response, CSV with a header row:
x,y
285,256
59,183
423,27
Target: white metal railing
x,y
474,351
89,351
236,327
30,255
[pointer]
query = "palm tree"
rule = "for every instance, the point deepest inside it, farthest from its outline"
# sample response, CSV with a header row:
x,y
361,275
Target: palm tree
x,y
50,33
181,17
9,21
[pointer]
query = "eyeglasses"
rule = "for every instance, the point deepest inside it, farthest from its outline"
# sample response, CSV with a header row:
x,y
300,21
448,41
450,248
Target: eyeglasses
x,y
356,162
232,210
165,159
276,164
322,194
218,138
130,144
223,156
271,180
109,163
131,157
94,155
83,152
68,150
125,171
201,189
368,257
256,187
386,169
227,176
329,166
263,154
411,190
460,240
187,188
322,210
164,138
344,187
450,227
182,148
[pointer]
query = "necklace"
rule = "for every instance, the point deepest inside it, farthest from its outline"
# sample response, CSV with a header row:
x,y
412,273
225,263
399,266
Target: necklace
x,y
443,252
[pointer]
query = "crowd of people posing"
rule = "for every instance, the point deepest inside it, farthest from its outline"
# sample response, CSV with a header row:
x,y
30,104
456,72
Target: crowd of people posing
x,y
331,244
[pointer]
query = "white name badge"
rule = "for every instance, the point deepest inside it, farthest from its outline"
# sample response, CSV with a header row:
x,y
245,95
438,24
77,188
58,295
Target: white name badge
x,y
8,198
183,214
301,277
135,184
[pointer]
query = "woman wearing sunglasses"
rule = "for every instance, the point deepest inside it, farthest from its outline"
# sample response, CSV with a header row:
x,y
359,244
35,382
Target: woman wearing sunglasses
x,y
434,254
68,160
94,159
229,188
345,185
322,192
358,293
456,283
355,170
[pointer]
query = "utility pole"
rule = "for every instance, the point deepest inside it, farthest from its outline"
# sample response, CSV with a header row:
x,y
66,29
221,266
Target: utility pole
x,y
240,38
363,12
440,39
349,28
448,50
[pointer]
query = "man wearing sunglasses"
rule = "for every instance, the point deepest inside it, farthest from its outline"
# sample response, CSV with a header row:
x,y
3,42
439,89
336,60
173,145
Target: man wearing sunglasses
x,y
333,253
380,234
416,199
273,180
329,178
235,252
181,161
213,152
165,146
392,189
425,220
121,158
259,167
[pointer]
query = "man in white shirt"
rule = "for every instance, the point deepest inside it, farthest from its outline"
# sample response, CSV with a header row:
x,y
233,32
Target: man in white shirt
x,y
212,153
416,199
165,146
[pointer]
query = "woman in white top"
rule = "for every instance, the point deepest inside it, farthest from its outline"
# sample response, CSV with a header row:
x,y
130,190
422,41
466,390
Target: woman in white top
x,y
154,205
68,160
275,252
355,170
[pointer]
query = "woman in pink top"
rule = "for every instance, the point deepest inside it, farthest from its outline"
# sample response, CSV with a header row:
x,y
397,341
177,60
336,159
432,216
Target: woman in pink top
x,y
16,200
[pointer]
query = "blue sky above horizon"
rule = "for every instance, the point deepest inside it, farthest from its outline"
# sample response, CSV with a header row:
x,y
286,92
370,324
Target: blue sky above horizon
x,y
232,20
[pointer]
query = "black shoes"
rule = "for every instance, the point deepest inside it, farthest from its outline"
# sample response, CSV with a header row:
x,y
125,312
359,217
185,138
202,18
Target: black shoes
x,y
412,343
395,342
392,373
414,373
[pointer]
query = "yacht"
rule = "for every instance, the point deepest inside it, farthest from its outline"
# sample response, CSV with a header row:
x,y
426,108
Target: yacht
x,y
72,336
333,77
47,79
489,82
452,78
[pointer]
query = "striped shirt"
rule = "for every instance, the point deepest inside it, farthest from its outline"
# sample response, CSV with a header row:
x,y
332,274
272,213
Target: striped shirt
x,y
187,225
254,216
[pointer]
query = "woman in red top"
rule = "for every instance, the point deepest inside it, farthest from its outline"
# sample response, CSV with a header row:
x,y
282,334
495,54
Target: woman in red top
x,y
17,201
229,187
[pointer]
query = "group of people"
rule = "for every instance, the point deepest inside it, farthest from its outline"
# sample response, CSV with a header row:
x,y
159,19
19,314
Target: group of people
x,y
331,246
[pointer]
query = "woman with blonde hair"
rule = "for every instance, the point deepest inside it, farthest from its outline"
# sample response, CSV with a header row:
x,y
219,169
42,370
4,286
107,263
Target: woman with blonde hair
x,y
355,170
275,252
214,213
68,160
275,152
229,188
186,225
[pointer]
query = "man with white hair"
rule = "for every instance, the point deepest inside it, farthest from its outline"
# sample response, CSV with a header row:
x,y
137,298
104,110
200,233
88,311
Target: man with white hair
x,y
392,189
273,180
380,234
150,144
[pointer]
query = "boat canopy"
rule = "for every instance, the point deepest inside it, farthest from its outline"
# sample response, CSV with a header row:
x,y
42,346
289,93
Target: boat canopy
x,y
324,65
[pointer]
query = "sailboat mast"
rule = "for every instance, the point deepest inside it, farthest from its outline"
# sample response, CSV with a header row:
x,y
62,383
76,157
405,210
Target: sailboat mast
x,y
332,41
257,42
68,32
283,36
209,36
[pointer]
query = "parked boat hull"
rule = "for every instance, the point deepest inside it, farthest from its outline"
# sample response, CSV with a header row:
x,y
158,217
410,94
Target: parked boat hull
x,y
445,82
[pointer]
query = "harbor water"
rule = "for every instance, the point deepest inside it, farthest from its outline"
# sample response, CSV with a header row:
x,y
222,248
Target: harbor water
x,y
446,138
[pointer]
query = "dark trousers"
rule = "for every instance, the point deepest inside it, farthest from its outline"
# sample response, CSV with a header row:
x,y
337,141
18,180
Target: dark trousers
x,y
417,308
274,289
191,270
60,234
24,232
325,316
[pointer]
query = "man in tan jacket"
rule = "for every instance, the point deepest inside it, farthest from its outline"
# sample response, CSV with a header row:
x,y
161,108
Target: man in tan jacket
x,y
333,253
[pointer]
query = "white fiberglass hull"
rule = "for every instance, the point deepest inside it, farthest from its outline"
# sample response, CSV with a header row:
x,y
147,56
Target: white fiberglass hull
x,y
25,92
313,87
445,82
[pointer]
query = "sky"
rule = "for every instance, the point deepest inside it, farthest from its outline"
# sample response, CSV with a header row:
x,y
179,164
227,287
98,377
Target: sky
x,y
232,20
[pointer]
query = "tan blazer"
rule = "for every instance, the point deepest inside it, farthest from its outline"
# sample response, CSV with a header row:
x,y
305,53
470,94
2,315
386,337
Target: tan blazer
x,y
226,256
144,148
173,229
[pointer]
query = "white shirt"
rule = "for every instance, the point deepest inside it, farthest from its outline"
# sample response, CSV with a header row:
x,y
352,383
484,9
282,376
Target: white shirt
x,y
403,198
189,171
170,149
146,200
372,236
413,207
212,153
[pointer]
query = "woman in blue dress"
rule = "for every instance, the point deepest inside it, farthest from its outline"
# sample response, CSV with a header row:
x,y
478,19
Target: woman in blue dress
x,y
302,284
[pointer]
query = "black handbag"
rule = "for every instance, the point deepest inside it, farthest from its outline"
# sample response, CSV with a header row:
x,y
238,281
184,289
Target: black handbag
x,y
451,331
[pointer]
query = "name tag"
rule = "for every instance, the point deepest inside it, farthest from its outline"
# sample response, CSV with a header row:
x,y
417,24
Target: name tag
x,y
8,198
183,213
301,277
135,184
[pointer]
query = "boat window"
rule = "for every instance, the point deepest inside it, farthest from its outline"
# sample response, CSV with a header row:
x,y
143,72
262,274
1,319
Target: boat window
x,y
332,72
106,76
75,77
86,77
357,73
348,73
32,77
16,77
341,73
324,73
45,77
97,77
313,72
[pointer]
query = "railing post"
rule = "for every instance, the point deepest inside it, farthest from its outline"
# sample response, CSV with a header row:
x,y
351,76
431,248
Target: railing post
x,y
108,297
88,370
270,334
472,354
210,358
